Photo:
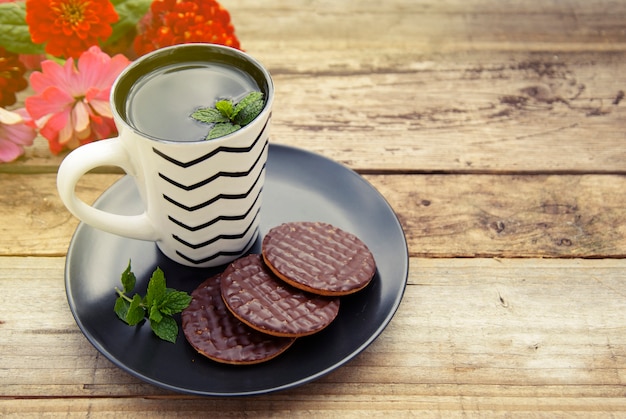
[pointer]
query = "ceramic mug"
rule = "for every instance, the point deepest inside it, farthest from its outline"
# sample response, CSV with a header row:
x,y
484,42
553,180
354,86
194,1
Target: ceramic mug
x,y
201,197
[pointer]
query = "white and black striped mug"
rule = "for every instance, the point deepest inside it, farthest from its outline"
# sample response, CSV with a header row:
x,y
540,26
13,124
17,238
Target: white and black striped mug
x,y
201,197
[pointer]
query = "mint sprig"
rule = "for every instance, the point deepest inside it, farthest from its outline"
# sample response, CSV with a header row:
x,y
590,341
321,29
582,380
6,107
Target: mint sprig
x,y
228,118
158,305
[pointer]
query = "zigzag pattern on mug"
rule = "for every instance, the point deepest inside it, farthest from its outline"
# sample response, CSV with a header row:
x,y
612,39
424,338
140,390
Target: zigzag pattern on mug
x,y
215,176
212,153
218,237
216,219
216,198
218,254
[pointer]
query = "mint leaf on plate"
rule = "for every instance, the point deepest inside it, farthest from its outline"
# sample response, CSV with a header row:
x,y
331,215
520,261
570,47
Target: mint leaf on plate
x,y
174,302
135,313
166,329
128,279
159,304
156,288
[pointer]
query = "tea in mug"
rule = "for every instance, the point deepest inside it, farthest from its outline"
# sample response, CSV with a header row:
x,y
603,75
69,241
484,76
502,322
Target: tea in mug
x,y
160,104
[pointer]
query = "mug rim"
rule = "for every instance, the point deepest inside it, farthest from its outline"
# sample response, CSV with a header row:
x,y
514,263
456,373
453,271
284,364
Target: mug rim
x,y
159,56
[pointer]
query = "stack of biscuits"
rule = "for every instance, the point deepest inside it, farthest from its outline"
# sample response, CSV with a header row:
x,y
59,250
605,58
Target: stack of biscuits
x,y
260,304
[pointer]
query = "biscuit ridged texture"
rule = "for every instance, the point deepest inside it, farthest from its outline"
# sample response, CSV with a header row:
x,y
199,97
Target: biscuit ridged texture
x,y
318,257
215,333
262,301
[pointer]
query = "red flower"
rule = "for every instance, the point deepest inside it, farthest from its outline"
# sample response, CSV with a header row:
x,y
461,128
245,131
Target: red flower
x,y
69,27
11,77
171,22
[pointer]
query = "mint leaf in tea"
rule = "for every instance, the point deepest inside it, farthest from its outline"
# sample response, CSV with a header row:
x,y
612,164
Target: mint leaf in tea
x,y
228,118
174,102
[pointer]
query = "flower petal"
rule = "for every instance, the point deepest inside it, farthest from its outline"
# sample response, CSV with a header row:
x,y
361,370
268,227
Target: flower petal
x,y
102,108
51,74
80,117
66,30
9,151
98,69
71,106
52,100
54,124
15,133
9,118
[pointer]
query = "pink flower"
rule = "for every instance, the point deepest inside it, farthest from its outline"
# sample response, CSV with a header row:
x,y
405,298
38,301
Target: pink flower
x,y
71,105
16,131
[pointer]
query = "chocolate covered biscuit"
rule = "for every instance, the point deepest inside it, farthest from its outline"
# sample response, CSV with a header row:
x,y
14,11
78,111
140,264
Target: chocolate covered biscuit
x,y
318,257
215,333
256,297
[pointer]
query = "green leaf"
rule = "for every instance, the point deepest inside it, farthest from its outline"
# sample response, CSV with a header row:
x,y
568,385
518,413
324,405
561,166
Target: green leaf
x,y
246,101
121,308
249,108
209,116
225,107
128,279
175,302
155,314
14,34
156,288
129,12
136,312
159,304
166,329
219,130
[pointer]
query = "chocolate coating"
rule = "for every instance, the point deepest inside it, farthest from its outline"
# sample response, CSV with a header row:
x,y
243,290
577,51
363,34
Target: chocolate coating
x,y
215,333
318,257
255,296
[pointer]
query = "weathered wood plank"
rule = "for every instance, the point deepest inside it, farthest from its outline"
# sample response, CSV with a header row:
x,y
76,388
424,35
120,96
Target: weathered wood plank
x,y
464,112
494,128
328,406
34,220
443,215
448,85
439,85
543,112
510,216
517,335
434,23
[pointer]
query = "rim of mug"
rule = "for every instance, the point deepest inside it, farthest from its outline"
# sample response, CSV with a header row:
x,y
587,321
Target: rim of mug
x,y
152,59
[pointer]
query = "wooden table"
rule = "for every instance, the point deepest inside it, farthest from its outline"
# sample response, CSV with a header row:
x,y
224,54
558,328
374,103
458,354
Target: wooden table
x,y
497,132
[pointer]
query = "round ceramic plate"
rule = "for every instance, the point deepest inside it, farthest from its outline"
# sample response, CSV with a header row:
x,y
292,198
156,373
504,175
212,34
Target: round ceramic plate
x,y
299,186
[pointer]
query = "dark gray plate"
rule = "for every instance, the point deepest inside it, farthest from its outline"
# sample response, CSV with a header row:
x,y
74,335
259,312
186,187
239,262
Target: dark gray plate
x,y
299,186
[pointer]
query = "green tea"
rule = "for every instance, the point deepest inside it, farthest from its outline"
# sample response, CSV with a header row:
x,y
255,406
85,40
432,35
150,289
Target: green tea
x,y
160,104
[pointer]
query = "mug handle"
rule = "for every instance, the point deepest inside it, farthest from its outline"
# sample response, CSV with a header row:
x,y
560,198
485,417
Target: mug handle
x,y
109,152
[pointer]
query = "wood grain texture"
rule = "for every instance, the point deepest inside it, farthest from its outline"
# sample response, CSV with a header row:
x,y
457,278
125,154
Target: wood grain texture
x,y
442,215
480,86
510,216
497,336
434,23
537,112
34,221
495,129
464,112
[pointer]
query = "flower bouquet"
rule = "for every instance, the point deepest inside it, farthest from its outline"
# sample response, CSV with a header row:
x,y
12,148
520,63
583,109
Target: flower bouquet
x,y
67,53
